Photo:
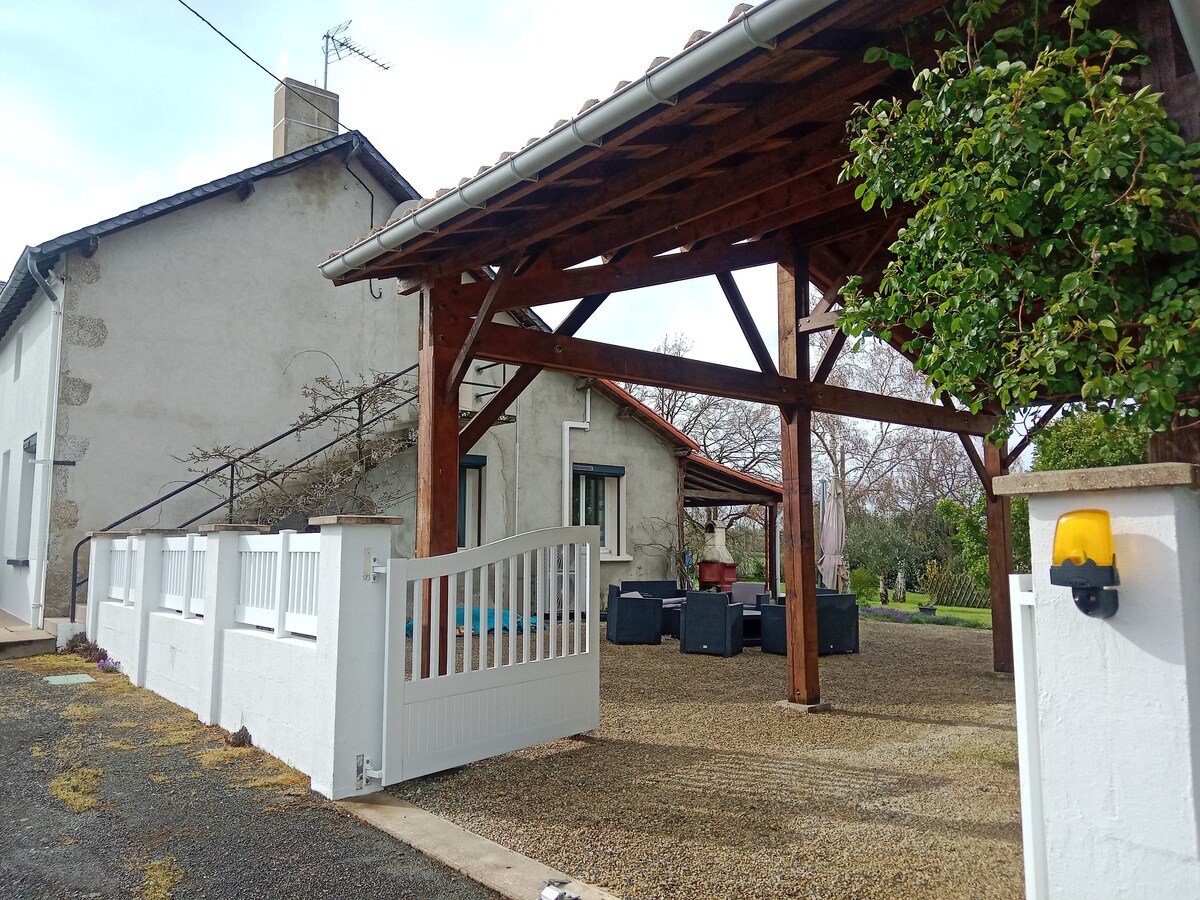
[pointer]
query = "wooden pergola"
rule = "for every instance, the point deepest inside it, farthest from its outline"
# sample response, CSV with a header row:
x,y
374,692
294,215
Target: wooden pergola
x,y
727,167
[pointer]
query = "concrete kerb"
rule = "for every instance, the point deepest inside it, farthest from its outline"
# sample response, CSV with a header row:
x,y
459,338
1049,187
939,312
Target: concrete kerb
x,y
504,871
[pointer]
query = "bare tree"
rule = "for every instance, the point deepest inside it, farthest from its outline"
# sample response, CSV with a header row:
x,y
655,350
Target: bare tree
x,y
348,430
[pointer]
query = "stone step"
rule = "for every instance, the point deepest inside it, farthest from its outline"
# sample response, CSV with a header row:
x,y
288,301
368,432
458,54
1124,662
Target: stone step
x,y
13,648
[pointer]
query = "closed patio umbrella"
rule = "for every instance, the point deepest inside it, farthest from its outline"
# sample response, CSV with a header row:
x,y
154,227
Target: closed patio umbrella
x,y
833,536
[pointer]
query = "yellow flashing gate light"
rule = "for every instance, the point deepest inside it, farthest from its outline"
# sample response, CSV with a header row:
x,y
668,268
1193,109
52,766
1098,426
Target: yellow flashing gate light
x,y
1084,561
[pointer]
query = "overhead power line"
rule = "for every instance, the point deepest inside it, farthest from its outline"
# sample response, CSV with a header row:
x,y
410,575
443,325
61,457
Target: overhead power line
x,y
279,80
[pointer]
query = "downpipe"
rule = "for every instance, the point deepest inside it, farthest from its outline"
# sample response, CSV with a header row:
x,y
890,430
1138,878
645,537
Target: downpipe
x,y
38,608
567,428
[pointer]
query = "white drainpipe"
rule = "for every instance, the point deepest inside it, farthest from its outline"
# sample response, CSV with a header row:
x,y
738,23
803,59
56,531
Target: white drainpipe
x,y
586,425
46,442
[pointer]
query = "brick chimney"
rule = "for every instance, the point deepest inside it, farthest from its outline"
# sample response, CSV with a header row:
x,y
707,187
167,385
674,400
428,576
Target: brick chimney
x,y
297,124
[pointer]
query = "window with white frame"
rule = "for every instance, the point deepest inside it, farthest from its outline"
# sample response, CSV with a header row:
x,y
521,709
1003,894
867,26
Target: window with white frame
x,y
597,499
470,500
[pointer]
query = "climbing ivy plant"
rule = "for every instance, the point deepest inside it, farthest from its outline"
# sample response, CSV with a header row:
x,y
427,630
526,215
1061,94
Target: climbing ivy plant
x,y
1050,245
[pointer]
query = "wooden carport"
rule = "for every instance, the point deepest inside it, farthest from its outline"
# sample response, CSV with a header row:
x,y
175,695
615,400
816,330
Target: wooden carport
x,y
733,161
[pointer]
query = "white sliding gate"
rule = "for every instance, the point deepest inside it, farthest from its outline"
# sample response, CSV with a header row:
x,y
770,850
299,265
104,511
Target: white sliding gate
x,y
490,650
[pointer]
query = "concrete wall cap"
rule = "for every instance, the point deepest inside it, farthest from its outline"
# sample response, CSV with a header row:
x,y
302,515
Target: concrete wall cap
x,y
1113,478
167,532
356,520
217,527
109,534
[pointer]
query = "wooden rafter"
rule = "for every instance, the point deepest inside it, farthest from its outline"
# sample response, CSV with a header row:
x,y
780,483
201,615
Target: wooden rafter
x,y
543,286
458,371
522,378
745,321
1043,420
506,343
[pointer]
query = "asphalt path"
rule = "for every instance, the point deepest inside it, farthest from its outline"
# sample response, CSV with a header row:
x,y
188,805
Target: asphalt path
x,y
174,811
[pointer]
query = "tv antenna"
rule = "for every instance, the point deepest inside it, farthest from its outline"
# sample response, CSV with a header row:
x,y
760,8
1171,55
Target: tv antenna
x,y
338,46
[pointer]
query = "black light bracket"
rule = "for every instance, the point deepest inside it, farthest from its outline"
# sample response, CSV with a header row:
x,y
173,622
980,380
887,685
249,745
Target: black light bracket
x,y
1090,586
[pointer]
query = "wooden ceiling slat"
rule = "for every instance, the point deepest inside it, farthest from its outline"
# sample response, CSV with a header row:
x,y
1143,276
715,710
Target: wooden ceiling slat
x,y
767,182
548,285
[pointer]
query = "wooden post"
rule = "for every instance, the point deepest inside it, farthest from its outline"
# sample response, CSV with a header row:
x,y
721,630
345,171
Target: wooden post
x,y
437,457
1000,558
681,512
772,568
799,540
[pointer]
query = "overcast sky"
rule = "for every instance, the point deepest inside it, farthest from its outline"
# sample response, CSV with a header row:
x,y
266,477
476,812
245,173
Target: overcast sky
x,y
109,105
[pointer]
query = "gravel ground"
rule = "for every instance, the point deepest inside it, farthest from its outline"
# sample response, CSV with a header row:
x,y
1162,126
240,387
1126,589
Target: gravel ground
x,y
698,786
168,809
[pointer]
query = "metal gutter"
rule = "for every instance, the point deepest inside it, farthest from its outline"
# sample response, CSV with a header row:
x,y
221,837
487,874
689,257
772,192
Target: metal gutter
x,y
1187,16
755,28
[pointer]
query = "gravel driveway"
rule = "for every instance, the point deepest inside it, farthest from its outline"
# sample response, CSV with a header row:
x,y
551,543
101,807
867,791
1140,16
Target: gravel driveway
x,y
698,786
168,809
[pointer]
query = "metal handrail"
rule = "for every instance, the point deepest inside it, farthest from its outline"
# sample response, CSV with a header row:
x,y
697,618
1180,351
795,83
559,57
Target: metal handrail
x,y
231,467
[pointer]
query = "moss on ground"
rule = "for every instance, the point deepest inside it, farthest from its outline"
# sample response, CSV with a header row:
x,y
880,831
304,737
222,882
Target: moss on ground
x,y
159,878
78,789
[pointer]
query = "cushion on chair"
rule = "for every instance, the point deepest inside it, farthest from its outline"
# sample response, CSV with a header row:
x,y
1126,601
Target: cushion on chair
x,y
747,592
660,589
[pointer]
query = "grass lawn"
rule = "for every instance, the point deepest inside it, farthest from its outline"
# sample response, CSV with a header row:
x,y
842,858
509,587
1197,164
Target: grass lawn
x,y
983,616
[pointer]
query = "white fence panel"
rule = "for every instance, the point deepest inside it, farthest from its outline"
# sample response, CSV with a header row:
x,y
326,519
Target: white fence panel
x,y
175,571
119,569
490,650
183,574
195,596
304,555
258,555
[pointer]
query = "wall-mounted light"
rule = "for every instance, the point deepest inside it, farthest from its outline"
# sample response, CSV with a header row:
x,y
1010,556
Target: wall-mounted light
x,y
1084,561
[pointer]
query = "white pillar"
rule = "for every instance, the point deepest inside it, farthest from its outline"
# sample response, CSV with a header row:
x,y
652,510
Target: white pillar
x,y
1117,700
145,581
350,652
222,585
99,573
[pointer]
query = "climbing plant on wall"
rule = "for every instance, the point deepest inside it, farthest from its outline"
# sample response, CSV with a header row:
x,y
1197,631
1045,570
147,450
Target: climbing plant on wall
x,y
1050,248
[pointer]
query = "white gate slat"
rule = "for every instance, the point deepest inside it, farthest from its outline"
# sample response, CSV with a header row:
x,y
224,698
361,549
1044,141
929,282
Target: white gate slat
x,y
506,699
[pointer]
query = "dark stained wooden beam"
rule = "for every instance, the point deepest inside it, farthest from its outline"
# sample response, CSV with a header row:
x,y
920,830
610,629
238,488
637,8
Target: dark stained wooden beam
x,y
799,540
972,454
522,378
1000,560
822,321
745,321
631,271
483,316
437,460
510,344
1045,419
829,358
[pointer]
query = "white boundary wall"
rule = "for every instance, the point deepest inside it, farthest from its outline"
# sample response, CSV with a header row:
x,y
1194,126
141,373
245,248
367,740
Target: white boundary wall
x,y
286,634
1108,710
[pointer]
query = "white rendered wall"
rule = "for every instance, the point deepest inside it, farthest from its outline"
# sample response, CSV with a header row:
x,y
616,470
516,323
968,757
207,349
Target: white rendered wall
x,y
23,410
174,657
650,502
200,328
1119,703
267,685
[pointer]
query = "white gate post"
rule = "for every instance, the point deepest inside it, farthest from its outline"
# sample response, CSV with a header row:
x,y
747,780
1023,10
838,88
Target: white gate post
x,y
146,584
350,653
222,583
99,573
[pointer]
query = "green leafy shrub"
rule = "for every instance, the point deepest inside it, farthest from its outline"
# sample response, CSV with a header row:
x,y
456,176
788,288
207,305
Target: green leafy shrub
x,y
1052,247
864,585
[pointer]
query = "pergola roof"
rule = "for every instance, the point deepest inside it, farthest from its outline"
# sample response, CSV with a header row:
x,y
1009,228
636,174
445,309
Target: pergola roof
x,y
748,139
